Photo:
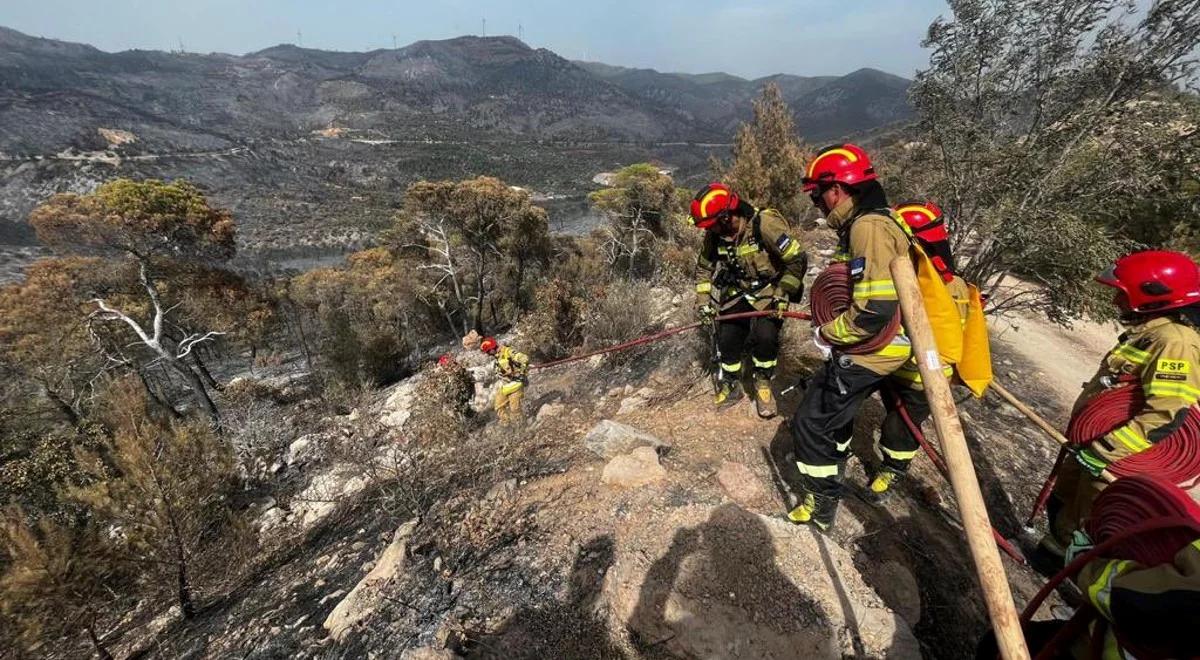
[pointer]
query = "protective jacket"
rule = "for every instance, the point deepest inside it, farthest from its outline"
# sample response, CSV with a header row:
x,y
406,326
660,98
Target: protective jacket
x,y
869,240
1164,355
908,373
1151,608
762,264
512,365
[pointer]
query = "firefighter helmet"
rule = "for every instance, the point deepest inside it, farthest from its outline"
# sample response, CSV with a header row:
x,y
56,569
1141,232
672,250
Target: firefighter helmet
x,y
711,203
489,345
1155,280
841,163
445,360
929,228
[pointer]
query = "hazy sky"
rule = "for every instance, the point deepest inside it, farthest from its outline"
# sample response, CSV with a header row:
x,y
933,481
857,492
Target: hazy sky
x,y
749,38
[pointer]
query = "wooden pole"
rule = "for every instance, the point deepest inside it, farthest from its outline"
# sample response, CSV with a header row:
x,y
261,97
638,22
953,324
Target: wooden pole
x,y
1040,422
976,524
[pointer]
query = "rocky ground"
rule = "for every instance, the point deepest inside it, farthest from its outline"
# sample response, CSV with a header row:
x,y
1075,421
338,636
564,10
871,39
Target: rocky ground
x,y
643,524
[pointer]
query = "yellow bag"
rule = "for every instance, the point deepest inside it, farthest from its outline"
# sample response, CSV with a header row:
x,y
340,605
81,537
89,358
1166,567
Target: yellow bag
x,y
975,368
941,308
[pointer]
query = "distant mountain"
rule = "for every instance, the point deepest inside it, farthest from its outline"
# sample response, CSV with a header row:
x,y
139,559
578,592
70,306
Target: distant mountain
x,y
825,107
312,147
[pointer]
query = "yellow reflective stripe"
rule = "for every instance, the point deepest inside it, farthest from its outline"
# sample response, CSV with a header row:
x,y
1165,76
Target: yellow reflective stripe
x,y
1100,591
839,330
910,374
1132,440
790,282
817,471
895,350
704,287
1134,355
509,388
899,455
1186,392
765,364
747,249
732,367
793,250
875,289
843,446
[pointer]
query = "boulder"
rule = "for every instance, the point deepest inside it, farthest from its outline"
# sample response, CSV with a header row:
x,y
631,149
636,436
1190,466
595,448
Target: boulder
x,y
609,439
631,404
740,483
365,597
899,589
398,405
549,411
638,468
301,449
699,581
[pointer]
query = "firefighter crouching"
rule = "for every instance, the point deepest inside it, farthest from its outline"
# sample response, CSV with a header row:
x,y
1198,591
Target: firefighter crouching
x,y
897,445
1158,295
513,369
749,261
842,183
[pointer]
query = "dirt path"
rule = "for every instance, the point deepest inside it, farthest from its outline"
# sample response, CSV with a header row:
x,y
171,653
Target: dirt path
x,y
1064,358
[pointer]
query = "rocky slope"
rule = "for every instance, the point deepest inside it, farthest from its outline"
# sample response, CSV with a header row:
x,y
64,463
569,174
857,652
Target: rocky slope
x,y
638,523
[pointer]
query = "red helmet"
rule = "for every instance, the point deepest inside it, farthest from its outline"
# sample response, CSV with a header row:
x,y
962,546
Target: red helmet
x,y
712,202
929,228
489,345
840,163
445,360
1155,280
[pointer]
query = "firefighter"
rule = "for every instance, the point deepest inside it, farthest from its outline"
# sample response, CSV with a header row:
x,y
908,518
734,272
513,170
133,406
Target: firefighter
x,y
897,444
749,261
1158,295
843,185
513,368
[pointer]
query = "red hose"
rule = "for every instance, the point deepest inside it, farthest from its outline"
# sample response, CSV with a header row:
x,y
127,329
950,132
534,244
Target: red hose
x,y
940,464
1142,518
647,339
1175,458
831,294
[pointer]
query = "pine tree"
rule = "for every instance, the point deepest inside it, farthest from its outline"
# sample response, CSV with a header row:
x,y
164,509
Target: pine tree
x,y
59,581
768,157
166,491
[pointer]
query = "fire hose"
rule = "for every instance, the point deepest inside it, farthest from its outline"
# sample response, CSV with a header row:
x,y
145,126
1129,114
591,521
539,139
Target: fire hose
x,y
649,339
831,294
1175,458
1003,543
1140,518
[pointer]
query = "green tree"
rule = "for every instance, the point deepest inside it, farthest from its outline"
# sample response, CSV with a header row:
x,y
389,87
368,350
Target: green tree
x,y
465,232
1048,127
166,485
642,209
58,581
768,157
156,226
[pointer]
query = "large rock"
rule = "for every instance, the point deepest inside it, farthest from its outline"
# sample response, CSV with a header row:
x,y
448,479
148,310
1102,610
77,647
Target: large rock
x,y
609,439
721,582
397,407
740,483
365,597
639,467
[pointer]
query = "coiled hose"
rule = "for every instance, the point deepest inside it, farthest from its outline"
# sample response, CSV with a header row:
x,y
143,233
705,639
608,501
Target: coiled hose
x,y
1141,517
831,294
1175,458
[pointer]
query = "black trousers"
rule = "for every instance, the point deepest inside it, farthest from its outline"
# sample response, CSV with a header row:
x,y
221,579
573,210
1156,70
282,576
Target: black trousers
x,y
897,444
732,336
824,422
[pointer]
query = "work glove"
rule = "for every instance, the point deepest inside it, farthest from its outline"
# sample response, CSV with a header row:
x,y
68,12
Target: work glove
x,y
1092,463
779,308
1080,543
823,346
706,313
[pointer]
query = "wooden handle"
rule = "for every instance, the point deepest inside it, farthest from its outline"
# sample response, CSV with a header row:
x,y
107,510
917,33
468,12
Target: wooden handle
x,y
975,520
1040,422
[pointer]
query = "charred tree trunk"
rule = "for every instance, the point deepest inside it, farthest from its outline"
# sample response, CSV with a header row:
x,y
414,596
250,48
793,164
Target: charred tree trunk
x,y
204,372
65,408
156,396
101,651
